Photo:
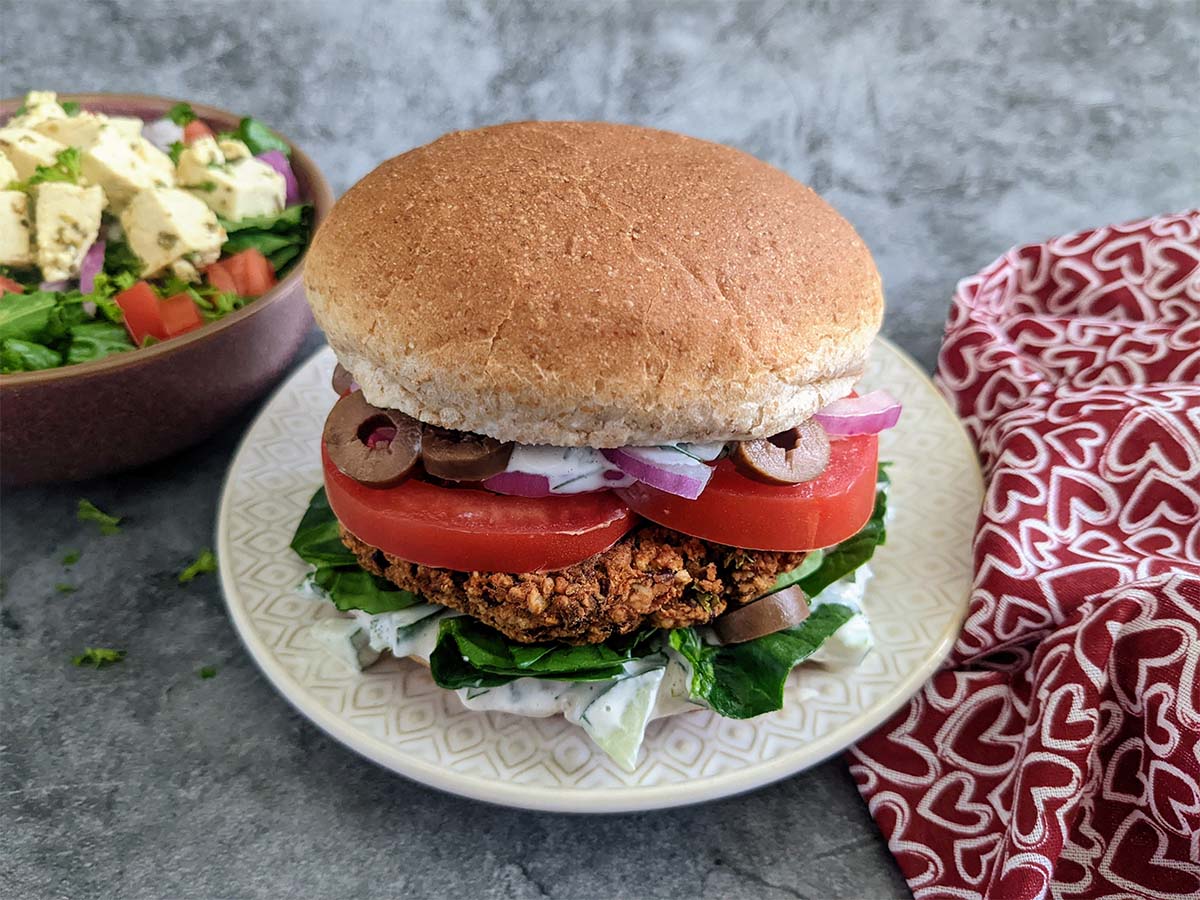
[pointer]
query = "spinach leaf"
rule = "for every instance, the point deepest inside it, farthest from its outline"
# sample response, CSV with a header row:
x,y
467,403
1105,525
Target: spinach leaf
x,y
740,681
259,138
120,260
352,587
25,316
266,242
470,654
17,355
840,561
96,340
280,258
316,539
279,238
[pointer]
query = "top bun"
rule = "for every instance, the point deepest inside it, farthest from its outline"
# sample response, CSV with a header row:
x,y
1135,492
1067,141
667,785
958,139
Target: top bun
x,y
588,284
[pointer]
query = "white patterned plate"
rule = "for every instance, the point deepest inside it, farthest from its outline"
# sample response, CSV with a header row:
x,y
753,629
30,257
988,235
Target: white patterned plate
x,y
395,715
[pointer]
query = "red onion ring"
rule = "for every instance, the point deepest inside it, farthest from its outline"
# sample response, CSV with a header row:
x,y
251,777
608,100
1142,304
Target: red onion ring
x,y
92,265
868,414
685,480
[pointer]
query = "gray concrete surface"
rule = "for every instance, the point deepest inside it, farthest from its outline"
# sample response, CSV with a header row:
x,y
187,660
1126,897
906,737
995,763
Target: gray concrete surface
x,y
945,131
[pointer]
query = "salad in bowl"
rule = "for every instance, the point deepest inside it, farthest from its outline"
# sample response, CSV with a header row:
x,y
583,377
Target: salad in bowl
x,y
117,233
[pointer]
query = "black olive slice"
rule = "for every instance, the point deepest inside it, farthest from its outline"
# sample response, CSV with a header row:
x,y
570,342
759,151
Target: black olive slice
x,y
376,447
343,381
764,616
461,455
790,457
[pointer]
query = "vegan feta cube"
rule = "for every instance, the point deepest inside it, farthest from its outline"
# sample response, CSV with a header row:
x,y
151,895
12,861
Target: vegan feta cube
x,y
121,166
234,184
197,161
233,149
163,225
245,188
8,172
130,126
79,131
26,149
67,218
15,244
40,106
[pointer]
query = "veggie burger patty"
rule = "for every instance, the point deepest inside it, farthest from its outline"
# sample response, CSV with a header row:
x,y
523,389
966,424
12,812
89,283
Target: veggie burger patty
x,y
651,577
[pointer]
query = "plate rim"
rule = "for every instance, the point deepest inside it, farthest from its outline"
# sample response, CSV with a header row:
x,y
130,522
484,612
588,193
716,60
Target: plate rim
x,y
582,801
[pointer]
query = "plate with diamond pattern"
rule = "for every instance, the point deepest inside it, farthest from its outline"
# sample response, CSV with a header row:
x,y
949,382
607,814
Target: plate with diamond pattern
x,y
396,716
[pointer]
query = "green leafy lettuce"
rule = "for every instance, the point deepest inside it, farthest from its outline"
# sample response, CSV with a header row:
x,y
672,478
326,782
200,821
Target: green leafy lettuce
x,y
470,654
740,681
337,573
259,138
17,355
280,238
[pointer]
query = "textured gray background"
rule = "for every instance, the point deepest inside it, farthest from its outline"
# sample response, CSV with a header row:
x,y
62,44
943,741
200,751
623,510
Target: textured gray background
x,y
945,131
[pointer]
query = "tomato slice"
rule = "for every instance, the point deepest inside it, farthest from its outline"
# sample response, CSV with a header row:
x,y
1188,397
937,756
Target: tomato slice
x,y
143,317
471,530
179,315
196,129
8,286
740,512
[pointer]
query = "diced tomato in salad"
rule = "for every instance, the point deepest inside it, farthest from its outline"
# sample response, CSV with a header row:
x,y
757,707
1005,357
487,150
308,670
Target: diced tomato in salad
x,y
8,286
148,316
195,130
179,315
247,274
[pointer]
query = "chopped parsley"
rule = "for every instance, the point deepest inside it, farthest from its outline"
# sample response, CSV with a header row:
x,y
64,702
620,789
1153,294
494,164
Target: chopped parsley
x,y
64,588
98,657
71,108
182,114
176,150
67,167
207,672
205,562
70,557
89,512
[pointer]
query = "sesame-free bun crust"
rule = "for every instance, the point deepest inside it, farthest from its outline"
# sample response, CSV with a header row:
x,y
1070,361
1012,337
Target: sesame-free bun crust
x,y
589,284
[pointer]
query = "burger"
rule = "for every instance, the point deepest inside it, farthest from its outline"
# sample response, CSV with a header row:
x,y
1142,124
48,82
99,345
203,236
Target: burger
x,y
596,449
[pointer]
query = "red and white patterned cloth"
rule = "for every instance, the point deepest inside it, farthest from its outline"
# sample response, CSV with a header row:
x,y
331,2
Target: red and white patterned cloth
x,y
1058,752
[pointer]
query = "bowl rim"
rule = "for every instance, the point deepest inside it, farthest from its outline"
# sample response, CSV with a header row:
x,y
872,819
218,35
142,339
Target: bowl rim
x,y
321,199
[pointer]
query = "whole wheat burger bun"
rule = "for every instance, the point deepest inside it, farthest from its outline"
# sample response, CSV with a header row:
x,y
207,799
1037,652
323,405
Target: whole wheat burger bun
x,y
590,284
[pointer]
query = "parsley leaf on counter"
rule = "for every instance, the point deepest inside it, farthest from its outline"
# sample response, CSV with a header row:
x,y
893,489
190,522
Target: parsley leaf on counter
x,y
89,512
71,557
98,657
205,562
181,114
64,588
207,672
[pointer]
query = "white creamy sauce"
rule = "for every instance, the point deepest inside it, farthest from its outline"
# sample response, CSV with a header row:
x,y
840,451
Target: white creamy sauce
x,y
614,713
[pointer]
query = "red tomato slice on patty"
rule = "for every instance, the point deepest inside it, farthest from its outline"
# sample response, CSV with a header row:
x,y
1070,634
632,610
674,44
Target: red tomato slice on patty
x,y
740,512
472,530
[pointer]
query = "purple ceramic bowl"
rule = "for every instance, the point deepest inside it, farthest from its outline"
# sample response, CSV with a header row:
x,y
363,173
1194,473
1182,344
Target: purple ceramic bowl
x,y
133,408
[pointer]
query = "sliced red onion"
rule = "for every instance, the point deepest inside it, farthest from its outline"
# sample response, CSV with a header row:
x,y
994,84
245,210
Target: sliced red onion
x,y
277,161
384,435
868,414
684,479
55,285
519,484
162,133
92,265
